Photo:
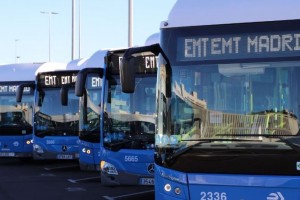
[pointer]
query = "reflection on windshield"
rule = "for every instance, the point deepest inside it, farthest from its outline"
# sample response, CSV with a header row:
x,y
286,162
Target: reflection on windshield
x,y
52,118
15,118
248,101
130,118
90,115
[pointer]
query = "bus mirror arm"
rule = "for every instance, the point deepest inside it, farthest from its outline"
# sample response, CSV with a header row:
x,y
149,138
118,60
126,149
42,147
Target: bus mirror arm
x,y
127,67
127,74
168,81
64,95
20,89
81,79
154,48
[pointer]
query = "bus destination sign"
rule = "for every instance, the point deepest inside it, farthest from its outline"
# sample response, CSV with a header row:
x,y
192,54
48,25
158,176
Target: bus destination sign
x,y
12,89
57,79
224,47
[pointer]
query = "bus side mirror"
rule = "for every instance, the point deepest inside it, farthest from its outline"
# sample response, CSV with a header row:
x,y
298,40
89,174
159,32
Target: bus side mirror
x,y
64,95
80,84
127,74
19,94
41,97
20,89
81,79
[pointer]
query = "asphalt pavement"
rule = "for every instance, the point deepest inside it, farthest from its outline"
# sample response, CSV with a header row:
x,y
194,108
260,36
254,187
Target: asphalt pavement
x,y
60,180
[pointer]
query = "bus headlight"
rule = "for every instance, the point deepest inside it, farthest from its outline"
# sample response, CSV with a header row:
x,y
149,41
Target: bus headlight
x,y
177,191
175,184
28,142
108,168
37,148
86,150
168,188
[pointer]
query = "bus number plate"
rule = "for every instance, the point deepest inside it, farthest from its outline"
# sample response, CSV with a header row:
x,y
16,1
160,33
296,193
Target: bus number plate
x,y
64,156
147,181
7,154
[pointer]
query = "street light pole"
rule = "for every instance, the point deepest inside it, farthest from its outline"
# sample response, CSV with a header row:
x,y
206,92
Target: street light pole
x,y
49,13
16,51
79,30
130,22
73,30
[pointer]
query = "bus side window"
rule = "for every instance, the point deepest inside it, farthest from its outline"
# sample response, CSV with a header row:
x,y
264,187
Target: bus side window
x,y
150,100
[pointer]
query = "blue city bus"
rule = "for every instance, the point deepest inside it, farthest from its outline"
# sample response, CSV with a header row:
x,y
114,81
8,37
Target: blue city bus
x,y
89,85
126,122
56,108
16,118
227,101
89,150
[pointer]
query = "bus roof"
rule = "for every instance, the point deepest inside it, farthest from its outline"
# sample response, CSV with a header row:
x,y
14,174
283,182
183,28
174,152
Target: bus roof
x,y
18,71
96,60
76,64
51,67
152,39
209,12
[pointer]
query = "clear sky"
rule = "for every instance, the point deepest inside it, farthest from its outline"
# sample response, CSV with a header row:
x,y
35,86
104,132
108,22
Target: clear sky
x,y
103,24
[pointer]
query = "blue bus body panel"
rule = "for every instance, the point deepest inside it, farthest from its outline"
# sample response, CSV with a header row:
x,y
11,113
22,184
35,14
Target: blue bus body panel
x,y
15,146
132,163
129,160
165,176
253,187
225,186
66,147
89,161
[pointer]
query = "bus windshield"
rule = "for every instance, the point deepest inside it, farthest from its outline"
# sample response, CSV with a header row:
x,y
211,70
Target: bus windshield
x,y
232,101
129,118
15,115
235,86
56,120
90,104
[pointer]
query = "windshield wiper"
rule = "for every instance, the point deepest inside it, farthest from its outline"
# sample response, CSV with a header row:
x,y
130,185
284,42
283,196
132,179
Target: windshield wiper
x,y
293,142
252,135
136,142
57,132
208,140
10,125
184,149
43,133
116,146
93,131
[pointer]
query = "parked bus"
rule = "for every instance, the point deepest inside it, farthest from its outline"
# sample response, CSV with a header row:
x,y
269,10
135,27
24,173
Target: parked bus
x,y
16,118
89,135
227,101
56,111
89,85
125,121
